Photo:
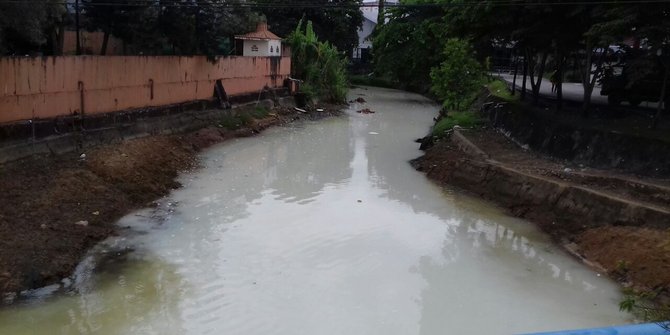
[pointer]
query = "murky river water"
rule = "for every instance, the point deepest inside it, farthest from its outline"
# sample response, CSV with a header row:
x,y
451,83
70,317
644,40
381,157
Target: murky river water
x,y
323,228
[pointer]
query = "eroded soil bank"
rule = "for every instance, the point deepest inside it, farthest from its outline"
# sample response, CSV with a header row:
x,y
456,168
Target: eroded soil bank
x,y
616,223
55,208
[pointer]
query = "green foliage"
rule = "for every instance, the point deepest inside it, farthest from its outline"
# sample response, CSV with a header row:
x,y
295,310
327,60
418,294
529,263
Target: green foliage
x,y
405,47
319,64
641,304
458,79
30,27
163,27
259,112
243,118
499,89
372,81
464,119
339,26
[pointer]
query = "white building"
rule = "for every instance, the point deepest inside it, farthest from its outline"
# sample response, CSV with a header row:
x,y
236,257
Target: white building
x,y
370,14
260,43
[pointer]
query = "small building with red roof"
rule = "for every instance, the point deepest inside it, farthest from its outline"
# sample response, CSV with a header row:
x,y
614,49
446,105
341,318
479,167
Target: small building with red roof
x,y
260,43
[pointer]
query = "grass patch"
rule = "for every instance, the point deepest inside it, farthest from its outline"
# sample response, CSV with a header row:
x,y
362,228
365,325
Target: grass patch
x,y
259,112
461,119
243,118
498,88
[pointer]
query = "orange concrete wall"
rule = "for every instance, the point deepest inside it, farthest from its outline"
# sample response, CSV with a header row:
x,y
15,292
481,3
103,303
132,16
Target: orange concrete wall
x,y
46,87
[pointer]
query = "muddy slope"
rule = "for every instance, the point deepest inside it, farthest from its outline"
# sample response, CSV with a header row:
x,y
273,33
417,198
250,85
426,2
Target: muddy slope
x,y
616,227
55,208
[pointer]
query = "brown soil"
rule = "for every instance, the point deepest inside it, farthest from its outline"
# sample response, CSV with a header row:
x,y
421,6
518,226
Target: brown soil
x,y
55,208
634,251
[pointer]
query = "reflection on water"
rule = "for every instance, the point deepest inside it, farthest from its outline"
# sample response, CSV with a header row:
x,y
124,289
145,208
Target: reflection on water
x,y
323,228
140,296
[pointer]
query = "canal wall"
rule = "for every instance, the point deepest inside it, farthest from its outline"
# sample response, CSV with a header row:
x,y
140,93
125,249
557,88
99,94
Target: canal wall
x,y
614,224
57,207
532,195
63,104
48,87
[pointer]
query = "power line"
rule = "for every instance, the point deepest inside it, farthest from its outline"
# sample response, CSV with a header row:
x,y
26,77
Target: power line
x,y
470,3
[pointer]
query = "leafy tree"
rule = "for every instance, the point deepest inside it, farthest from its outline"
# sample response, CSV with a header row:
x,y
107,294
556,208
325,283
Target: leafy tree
x,y
21,33
459,77
408,46
319,64
338,24
114,17
649,23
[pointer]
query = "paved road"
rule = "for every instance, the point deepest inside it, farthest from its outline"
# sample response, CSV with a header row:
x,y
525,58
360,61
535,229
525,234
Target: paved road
x,y
571,92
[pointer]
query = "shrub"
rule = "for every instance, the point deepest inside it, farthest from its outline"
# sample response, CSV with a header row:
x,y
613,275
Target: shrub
x,y
319,64
499,89
458,78
464,119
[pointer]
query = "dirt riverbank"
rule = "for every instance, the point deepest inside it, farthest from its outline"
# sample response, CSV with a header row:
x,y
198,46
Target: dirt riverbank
x,y
616,223
55,208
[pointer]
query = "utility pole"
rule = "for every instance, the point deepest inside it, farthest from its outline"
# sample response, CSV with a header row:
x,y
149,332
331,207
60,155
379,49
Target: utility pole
x,y
76,23
381,18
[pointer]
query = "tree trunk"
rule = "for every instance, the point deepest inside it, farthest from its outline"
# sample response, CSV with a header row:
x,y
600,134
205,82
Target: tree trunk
x,y
559,88
516,70
559,81
525,74
589,78
77,27
381,17
105,41
536,84
661,101
61,39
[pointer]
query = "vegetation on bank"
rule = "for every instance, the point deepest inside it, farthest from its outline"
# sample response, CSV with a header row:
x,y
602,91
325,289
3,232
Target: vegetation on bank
x,y
243,118
564,42
557,42
168,27
320,66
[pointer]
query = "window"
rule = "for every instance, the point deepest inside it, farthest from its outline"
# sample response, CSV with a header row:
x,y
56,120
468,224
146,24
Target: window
x,y
254,48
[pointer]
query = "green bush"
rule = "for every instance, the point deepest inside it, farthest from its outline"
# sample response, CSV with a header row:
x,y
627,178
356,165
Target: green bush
x,y
464,119
498,88
243,118
259,112
459,77
319,64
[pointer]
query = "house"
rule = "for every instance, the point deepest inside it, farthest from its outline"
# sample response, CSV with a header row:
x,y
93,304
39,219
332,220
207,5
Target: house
x,y
362,52
260,43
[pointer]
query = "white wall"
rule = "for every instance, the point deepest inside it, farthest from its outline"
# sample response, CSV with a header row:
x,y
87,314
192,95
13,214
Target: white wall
x,y
274,48
256,48
263,48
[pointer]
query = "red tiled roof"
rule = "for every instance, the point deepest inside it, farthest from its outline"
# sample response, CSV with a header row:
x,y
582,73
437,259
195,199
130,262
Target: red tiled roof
x,y
261,33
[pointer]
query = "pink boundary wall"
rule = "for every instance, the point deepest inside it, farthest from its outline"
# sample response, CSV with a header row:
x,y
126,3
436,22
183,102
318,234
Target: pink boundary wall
x,y
47,87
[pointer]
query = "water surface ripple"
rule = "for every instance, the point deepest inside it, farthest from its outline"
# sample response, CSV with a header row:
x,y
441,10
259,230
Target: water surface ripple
x,y
324,228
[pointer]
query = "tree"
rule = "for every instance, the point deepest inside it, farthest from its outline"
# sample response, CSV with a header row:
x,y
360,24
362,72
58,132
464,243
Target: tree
x,y
408,46
649,23
458,77
114,17
319,64
24,34
336,21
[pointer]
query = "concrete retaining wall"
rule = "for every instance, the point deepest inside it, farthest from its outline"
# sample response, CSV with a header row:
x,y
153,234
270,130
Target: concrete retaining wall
x,y
48,87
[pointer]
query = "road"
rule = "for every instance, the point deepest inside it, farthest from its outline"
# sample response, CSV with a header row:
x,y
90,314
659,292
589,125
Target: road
x,y
571,91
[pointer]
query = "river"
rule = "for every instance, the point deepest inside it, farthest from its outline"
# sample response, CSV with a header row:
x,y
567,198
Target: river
x,y
323,228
